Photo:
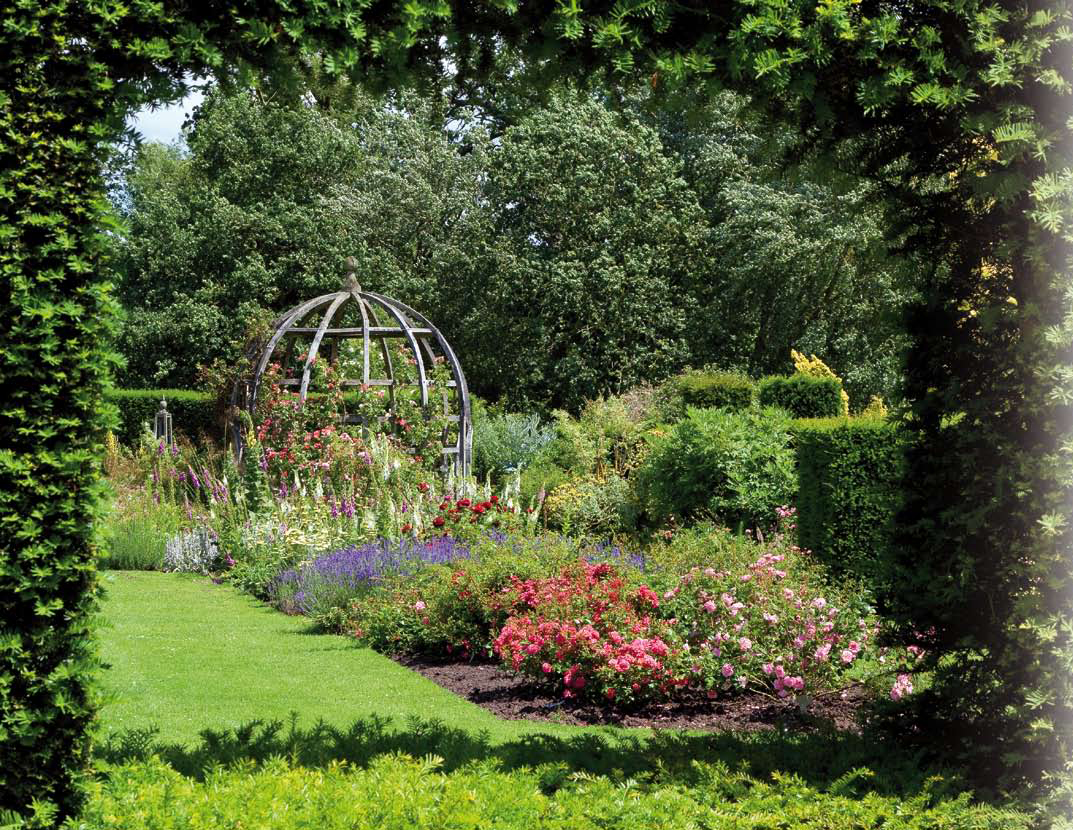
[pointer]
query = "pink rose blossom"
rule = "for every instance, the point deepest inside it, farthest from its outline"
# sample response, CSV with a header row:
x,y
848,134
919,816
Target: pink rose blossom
x,y
902,686
728,670
847,656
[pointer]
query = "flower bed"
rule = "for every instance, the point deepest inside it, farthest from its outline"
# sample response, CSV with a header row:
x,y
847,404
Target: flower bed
x,y
608,631
333,580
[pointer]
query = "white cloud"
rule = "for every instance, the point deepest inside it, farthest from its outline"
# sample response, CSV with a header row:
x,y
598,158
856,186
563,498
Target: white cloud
x,y
165,124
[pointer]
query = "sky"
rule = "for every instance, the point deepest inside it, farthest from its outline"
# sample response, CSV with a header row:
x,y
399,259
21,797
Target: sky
x,y
165,124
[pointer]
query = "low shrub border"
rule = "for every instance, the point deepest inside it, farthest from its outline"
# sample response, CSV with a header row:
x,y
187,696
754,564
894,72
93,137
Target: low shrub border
x,y
721,390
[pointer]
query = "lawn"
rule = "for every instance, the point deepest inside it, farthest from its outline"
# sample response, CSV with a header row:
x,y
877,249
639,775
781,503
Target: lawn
x,y
192,666
185,654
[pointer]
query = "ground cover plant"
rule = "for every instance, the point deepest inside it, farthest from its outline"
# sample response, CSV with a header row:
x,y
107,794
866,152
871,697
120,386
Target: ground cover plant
x,y
404,792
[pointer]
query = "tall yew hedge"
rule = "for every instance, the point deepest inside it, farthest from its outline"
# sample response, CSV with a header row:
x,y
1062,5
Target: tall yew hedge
x,y
959,108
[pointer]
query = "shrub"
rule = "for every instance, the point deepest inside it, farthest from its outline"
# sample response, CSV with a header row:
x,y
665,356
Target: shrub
x,y
816,368
769,624
589,630
702,545
718,390
738,466
849,471
506,443
193,414
456,608
394,790
591,505
803,396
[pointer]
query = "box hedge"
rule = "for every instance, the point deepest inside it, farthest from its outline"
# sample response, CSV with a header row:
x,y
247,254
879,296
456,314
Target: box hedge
x,y
716,390
849,474
803,396
193,414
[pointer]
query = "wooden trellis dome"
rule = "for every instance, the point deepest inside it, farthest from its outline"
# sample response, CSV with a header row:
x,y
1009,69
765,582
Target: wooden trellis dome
x,y
352,322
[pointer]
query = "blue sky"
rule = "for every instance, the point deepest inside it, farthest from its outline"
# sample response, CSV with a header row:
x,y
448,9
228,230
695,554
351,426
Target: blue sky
x,y
165,123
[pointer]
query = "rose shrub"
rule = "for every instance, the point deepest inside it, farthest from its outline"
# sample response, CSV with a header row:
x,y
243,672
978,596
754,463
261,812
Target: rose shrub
x,y
588,627
711,630
453,609
607,630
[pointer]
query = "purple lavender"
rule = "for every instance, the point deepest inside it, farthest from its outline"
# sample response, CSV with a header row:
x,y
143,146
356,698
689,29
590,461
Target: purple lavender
x,y
613,554
333,580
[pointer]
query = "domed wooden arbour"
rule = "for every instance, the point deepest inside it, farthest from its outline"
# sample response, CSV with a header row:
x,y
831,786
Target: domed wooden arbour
x,y
343,326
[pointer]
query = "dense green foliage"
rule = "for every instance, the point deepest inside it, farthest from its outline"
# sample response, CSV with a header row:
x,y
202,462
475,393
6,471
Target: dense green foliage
x,y
716,390
430,206
848,475
802,396
399,792
591,305
797,255
193,414
736,466
262,212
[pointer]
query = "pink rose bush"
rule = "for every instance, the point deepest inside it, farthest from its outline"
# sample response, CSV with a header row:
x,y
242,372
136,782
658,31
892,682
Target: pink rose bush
x,y
610,632
772,629
779,631
587,627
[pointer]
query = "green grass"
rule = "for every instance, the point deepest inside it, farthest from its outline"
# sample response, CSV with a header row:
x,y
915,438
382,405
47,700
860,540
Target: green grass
x,y
185,654
206,679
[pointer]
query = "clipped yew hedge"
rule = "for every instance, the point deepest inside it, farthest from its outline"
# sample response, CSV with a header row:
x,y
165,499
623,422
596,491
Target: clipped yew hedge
x,y
803,396
849,471
716,390
193,414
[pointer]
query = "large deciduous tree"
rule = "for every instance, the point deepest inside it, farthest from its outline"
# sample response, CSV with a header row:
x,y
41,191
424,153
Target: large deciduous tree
x,y
591,262
264,208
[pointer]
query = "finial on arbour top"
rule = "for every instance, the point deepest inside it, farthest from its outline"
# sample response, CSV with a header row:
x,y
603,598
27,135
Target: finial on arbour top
x,y
350,281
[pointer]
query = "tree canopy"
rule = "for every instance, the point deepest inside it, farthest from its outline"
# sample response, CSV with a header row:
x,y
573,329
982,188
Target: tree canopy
x,y
715,255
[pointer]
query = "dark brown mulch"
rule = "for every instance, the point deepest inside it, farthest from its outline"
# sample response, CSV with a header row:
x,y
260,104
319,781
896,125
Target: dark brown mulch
x,y
515,698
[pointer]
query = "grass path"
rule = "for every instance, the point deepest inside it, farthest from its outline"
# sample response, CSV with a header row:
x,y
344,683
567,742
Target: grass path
x,y
185,655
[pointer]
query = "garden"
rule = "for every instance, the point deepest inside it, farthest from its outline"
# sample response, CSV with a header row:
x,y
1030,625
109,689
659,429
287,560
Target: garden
x,y
488,415
640,568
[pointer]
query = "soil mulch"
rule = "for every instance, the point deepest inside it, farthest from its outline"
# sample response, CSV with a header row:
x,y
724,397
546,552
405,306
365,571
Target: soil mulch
x,y
515,698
